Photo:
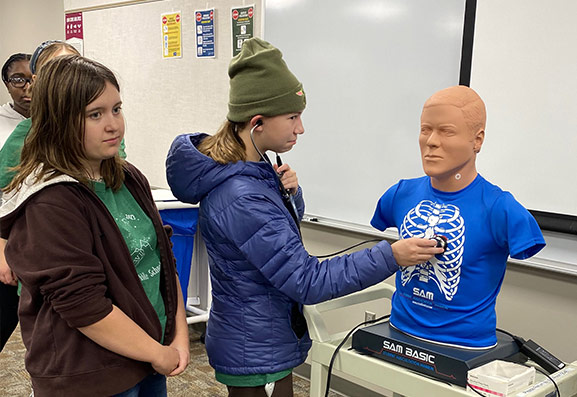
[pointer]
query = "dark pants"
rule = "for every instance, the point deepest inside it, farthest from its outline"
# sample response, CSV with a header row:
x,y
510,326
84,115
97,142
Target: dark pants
x,y
8,312
152,386
282,388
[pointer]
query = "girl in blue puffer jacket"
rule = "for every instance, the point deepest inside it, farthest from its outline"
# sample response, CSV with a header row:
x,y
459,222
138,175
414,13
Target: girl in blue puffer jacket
x,y
261,273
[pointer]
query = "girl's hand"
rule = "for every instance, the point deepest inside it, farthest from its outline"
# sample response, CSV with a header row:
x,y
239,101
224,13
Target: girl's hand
x,y
412,251
288,177
166,361
6,274
184,359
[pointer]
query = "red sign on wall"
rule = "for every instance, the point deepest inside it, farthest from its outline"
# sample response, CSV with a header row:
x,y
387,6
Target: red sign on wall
x,y
74,28
74,31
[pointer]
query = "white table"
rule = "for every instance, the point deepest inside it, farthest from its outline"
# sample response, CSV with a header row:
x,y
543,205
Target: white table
x,y
399,380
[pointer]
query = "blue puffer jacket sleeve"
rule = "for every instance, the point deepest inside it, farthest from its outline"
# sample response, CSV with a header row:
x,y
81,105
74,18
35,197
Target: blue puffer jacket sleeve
x,y
271,244
300,203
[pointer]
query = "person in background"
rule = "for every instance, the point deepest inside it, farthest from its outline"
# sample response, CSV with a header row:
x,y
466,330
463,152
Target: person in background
x,y
101,311
10,152
450,299
16,76
22,74
249,217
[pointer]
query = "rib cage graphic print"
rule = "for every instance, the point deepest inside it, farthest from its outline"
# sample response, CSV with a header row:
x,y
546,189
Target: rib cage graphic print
x,y
425,220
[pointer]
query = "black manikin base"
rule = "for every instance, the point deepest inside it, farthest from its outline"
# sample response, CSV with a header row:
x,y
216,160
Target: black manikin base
x,y
449,364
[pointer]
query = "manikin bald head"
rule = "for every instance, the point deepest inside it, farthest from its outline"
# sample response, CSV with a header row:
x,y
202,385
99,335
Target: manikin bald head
x,y
464,98
452,133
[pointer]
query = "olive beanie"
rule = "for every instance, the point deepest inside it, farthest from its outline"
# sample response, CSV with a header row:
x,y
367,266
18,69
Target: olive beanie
x,y
261,83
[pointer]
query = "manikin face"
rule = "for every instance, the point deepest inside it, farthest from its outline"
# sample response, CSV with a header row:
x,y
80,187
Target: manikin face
x,y
20,96
448,145
103,128
279,133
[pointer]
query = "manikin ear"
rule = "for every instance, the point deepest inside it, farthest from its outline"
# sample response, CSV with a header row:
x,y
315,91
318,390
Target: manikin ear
x,y
478,140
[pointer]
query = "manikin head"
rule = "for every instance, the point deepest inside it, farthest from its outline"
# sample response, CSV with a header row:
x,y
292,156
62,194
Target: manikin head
x,y
452,133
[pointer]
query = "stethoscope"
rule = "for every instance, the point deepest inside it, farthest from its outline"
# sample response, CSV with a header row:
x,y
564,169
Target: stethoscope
x,y
288,198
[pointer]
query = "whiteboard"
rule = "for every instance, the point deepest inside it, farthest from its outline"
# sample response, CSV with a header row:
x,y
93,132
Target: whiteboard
x,y
367,68
524,67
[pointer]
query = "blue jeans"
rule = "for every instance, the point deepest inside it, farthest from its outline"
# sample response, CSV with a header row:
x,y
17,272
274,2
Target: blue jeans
x,y
152,386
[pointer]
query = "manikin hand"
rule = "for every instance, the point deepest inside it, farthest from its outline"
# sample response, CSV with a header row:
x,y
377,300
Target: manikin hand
x,y
412,251
288,177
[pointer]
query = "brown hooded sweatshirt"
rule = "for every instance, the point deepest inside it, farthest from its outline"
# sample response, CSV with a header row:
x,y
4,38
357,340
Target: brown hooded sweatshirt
x,y
73,263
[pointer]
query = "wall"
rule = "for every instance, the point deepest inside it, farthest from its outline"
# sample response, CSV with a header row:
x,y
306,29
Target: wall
x,y
162,98
24,27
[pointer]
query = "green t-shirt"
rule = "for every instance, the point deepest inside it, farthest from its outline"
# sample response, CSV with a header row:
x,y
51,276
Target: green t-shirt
x,y
10,153
140,237
250,380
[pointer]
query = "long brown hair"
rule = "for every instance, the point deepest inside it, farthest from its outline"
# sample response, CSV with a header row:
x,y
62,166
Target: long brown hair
x,y
55,144
225,146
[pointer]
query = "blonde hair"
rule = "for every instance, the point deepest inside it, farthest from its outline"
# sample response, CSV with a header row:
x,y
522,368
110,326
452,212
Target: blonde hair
x,y
225,146
54,48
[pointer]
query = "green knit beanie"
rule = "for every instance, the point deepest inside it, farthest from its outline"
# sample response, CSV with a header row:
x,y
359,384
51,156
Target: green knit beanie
x,y
261,83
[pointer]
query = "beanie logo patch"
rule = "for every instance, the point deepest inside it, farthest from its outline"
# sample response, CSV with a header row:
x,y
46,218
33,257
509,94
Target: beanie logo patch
x,y
300,93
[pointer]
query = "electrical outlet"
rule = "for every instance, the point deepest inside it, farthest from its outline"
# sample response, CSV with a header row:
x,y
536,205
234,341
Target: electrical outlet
x,y
369,316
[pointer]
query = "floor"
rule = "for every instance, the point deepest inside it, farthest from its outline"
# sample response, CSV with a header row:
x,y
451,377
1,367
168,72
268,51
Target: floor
x,y
197,380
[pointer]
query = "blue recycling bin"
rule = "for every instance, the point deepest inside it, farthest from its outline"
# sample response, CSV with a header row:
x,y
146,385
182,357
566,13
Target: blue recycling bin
x,y
183,222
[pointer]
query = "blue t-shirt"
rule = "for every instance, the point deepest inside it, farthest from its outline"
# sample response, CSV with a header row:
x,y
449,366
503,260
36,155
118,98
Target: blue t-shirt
x,y
451,298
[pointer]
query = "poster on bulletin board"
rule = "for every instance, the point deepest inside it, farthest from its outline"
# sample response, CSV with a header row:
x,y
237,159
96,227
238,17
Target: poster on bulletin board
x,y
242,19
75,31
204,33
171,35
